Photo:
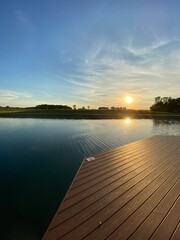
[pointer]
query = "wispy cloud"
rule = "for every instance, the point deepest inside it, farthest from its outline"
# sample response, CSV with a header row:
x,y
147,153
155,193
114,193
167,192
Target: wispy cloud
x,y
22,17
8,95
80,84
109,72
149,49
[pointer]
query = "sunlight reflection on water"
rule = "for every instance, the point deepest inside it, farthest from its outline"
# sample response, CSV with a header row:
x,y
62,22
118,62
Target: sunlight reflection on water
x,y
128,120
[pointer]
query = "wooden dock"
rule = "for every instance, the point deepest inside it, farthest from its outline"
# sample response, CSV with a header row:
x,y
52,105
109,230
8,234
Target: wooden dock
x,y
130,192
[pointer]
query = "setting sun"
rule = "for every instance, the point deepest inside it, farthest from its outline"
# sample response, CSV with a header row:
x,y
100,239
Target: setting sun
x,y
129,100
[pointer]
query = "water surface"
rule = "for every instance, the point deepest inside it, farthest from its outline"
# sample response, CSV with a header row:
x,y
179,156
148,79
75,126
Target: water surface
x,y
39,158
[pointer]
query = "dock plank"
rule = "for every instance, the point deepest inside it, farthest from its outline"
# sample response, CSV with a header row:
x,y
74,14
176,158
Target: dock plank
x,y
148,227
143,211
176,234
132,190
119,158
116,166
108,194
166,228
109,210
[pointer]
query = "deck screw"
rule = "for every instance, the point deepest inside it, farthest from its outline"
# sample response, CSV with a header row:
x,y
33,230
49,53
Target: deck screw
x,y
100,223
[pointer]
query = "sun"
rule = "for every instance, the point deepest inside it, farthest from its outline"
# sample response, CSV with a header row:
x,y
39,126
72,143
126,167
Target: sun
x,y
128,99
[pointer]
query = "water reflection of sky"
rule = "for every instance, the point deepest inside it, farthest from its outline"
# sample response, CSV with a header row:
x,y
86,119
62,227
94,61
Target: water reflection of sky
x,y
38,159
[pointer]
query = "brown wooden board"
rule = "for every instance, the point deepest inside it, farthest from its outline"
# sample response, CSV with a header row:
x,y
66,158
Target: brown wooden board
x,y
176,234
130,192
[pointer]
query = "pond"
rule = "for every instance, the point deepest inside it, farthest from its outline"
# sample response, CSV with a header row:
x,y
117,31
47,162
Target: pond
x,y
39,158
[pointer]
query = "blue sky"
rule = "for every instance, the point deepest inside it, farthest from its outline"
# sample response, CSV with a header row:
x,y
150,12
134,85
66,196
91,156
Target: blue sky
x,y
89,53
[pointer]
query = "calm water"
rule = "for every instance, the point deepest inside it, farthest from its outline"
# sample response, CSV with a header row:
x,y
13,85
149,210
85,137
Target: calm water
x,y
38,159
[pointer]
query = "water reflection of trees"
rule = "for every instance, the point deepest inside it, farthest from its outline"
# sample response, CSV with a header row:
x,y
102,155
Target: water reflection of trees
x,y
167,122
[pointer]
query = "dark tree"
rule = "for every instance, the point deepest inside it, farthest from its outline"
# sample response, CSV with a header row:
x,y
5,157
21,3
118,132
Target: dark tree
x,y
166,104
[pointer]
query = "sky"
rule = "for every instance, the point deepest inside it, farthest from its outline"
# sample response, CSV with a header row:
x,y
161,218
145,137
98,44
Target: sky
x,y
89,52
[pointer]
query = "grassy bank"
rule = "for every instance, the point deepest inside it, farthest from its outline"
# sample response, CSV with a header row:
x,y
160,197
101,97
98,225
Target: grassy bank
x,y
83,114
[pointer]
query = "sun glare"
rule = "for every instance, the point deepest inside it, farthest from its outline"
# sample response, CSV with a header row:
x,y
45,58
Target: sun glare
x,y
128,120
129,100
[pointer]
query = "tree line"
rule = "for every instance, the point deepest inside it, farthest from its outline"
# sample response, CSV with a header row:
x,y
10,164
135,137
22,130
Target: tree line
x,y
51,106
166,104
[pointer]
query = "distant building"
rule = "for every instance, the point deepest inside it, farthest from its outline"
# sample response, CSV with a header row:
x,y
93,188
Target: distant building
x,y
116,108
103,108
83,108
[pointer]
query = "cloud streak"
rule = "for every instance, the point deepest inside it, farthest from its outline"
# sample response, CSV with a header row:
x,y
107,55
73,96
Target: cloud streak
x,y
9,95
109,72
22,17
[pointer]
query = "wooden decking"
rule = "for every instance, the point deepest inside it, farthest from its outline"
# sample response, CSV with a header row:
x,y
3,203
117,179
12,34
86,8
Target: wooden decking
x,y
131,192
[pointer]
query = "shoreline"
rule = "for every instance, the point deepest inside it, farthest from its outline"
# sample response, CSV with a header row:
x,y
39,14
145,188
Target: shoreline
x,y
87,114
